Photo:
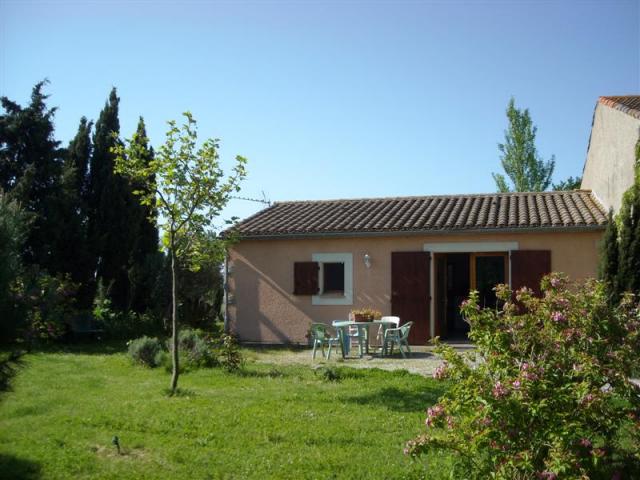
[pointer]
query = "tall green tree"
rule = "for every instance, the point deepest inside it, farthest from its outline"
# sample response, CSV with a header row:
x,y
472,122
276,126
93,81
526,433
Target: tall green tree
x,y
519,157
78,157
73,254
13,232
31,163
145,257
110,200
189,190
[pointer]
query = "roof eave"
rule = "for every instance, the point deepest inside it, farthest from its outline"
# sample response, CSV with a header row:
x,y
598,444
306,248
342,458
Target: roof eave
x,y
405,233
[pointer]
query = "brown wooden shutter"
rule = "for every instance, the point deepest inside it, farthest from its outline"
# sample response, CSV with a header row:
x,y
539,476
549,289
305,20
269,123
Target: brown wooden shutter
x,y
528,267
305,278
410,293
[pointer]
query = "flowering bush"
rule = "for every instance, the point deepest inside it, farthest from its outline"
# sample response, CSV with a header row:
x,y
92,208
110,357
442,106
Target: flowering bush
x,y
48,302
547,393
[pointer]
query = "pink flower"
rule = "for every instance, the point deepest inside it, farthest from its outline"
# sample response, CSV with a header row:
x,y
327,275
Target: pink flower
x,y
588,398
585,442
524,366
558,317
498,390
485,422
441,371
555,282
516,384
450,422
433,413
547,476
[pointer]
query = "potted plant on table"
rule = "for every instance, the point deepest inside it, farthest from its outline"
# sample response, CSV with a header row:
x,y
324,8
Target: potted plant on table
x,y
364,315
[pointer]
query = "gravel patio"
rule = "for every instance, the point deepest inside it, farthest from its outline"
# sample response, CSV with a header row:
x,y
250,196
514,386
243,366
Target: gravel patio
x,y
422,361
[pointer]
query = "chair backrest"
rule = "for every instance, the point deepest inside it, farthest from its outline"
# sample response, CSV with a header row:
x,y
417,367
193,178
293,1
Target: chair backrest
x,y
318,330
404,330
394,320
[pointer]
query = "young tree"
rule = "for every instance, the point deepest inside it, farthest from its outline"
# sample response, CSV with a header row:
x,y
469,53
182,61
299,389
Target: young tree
x,y
187,186
520,159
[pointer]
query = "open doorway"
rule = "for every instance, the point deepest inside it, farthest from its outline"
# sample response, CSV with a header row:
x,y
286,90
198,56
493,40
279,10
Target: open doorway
x,y
455,275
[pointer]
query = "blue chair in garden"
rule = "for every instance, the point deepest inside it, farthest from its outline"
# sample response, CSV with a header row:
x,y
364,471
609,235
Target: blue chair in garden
x,y
397,336
321,337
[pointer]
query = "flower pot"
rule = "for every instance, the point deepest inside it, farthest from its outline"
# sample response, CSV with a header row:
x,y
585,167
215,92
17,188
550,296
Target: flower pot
x,y
361,317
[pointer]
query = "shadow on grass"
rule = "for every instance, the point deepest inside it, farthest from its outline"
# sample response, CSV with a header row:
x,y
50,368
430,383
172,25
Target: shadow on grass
x,y
9,366
86,347
18,468
401,400
410,356
274,372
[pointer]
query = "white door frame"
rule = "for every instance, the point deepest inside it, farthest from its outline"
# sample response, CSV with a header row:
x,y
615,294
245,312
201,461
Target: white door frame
x,y
459,247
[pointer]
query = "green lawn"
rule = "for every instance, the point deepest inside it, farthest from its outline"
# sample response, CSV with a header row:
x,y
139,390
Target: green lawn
x,y
270,422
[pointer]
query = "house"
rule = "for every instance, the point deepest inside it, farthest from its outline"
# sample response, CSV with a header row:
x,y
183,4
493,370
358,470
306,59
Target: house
x,y
415,257
418,257
608,171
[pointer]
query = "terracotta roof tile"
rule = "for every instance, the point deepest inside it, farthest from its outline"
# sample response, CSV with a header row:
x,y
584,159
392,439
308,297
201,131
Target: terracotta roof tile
x,y
444,213
629,104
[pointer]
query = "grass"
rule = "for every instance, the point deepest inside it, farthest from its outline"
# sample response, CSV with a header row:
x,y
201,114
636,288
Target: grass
x,y
268,422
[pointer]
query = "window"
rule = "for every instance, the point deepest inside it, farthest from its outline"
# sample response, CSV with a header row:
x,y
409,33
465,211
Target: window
x,y
333,277
335,280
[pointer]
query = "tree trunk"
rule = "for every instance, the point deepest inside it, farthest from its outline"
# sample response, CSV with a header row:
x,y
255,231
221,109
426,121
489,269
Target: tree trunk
x,y
174,322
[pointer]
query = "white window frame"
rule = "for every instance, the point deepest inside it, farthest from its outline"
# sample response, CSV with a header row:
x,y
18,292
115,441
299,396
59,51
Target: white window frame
x,y
332,298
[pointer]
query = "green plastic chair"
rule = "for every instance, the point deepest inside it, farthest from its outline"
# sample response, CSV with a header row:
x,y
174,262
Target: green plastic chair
x,y
397,336
321,337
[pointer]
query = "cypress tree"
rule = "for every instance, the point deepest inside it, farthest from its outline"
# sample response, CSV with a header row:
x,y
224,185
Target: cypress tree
x,y
609,258
72,248
108,198
629,247
145,259
78,157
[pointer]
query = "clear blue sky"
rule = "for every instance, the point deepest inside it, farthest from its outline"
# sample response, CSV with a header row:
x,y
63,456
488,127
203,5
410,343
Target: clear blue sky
x,y
332,99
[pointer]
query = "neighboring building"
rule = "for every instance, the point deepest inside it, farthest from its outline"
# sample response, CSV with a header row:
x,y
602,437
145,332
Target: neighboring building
x,y
609,169
415,257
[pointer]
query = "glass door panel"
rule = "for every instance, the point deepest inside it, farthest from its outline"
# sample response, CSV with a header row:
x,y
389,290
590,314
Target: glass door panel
x,y
488,270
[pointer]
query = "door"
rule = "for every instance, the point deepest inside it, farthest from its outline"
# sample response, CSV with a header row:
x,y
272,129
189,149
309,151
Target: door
x,y
410,292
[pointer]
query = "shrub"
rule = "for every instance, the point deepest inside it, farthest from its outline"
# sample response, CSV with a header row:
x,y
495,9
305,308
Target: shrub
x,y
48,303
123,324
548,395
229,354
196,349
146,351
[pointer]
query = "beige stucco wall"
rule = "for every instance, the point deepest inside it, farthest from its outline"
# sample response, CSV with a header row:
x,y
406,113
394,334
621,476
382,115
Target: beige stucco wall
x,y
608,171
260,281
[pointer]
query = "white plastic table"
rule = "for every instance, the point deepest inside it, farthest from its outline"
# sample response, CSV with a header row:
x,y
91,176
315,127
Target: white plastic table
x,y
363,333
